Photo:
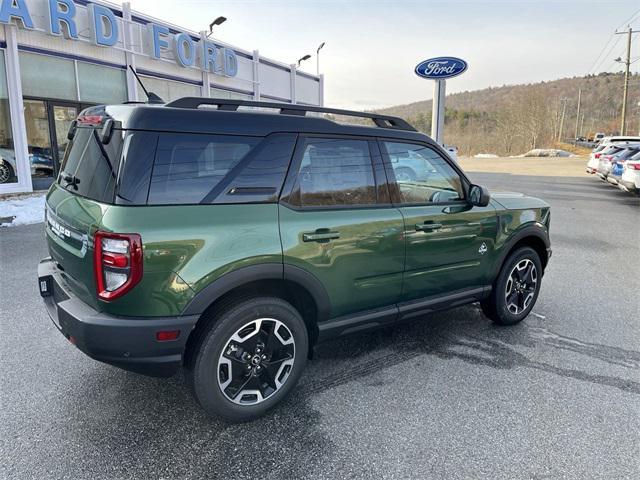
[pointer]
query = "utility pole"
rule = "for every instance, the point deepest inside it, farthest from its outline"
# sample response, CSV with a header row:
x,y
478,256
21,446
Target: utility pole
x,y
578,115
582,125
564,109
625,94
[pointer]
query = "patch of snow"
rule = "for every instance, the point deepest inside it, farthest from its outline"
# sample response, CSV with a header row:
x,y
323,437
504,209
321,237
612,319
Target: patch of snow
x,y
486,155
547,152
26,210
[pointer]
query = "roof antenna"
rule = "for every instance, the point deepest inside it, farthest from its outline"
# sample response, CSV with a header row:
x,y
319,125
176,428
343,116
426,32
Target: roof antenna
x,y
151,97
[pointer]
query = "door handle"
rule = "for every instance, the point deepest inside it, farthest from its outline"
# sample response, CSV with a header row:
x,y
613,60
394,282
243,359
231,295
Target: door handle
x,y
320,235
428,227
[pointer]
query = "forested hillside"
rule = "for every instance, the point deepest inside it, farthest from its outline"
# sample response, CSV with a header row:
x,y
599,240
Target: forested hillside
x,y
511,120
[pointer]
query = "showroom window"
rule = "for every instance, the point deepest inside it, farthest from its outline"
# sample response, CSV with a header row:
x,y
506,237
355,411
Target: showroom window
x,y
44,76
168,90
99,84
220,93
7,154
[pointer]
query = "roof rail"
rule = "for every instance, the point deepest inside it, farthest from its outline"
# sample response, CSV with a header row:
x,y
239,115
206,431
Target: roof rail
x,y
382,121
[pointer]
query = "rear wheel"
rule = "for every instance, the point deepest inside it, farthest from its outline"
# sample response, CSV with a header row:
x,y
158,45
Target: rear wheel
x,y
251,357
516,289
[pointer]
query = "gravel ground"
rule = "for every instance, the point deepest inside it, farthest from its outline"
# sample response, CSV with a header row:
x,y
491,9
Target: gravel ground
x,y
538,166
450,396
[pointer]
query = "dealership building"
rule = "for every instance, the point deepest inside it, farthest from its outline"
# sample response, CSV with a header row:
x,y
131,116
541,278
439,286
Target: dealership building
x,y
58,57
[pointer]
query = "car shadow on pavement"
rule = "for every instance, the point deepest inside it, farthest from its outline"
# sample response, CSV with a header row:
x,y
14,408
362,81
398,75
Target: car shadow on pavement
x,y
465,334
154,422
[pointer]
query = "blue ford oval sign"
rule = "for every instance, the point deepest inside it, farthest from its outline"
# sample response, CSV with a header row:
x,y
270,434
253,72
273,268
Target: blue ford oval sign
x,y
440,68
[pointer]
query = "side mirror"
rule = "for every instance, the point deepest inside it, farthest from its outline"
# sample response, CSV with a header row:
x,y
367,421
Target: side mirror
x,y
479,196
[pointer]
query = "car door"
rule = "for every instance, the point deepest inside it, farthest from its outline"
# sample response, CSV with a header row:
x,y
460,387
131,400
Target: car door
x,y
337,223
448,241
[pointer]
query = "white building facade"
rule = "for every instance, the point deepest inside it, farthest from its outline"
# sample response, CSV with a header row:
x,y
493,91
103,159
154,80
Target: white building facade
x,y
58,57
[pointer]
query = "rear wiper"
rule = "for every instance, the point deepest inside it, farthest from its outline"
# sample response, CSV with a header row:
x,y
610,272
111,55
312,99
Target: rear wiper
x,y
70,180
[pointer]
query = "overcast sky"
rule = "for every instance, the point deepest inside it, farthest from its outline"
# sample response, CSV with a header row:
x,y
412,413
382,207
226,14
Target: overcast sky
x,y
372,46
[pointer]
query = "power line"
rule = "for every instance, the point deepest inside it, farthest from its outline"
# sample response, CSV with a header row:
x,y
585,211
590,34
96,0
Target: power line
x,y
629,20
600,54
595,64
608,54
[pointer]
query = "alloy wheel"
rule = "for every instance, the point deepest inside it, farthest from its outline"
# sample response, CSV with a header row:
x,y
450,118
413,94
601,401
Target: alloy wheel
x,y
256,361
521,286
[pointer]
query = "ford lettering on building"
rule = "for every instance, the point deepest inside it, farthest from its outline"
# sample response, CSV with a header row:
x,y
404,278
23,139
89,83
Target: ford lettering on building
x,y
440,68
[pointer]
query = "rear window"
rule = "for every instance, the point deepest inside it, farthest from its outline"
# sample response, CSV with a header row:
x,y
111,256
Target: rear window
x,y
194,168
89,167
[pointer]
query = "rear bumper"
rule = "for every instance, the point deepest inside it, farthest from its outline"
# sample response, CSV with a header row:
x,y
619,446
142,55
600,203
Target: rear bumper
x,y
629,185
126,342
613,179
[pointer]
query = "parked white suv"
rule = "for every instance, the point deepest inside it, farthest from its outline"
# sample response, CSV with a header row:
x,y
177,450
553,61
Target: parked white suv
x,y
618,139
630,179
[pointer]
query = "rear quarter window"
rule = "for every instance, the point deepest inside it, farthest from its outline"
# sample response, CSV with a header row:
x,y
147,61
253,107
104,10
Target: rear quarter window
x,y
195,168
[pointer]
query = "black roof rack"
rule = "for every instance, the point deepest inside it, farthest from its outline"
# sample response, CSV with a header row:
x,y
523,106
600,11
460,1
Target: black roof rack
x,y
382,121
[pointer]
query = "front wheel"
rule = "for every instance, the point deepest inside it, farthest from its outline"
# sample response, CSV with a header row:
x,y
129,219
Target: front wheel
x,y
251,357
516,289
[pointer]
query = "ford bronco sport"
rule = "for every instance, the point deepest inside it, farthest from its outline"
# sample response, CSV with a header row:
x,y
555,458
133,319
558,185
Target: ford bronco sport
x,y
228,240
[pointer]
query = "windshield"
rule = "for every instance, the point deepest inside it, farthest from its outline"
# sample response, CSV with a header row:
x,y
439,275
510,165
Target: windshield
x,y
90,167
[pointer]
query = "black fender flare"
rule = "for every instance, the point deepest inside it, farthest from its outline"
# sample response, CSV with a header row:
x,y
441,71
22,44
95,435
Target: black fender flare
x,y
536,230
268,271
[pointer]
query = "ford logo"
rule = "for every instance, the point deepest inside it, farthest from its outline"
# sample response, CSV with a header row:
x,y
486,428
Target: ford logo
x,y
441,67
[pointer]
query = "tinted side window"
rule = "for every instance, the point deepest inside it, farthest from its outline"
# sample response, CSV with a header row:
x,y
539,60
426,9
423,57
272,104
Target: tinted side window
x,y
138,155
335,172
260,175
188,166
422,175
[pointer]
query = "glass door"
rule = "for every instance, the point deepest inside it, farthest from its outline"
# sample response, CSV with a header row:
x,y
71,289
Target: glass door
x,y
48,123
62,116
39,143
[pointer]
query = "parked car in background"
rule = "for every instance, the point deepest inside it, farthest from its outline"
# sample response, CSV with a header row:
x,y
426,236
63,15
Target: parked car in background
x,y
629,181
619,139
41,160
618,162
604,160
598,137
594,158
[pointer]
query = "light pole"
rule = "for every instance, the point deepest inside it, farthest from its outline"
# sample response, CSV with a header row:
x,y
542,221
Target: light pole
x,y
318,58
302,59
218,21
564,109
625,93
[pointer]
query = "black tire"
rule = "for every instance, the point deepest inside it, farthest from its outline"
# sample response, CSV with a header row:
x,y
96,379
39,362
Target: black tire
x,y
7,172
497,307
210,367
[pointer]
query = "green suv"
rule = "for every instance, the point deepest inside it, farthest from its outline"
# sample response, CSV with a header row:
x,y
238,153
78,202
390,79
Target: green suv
x,y
228,237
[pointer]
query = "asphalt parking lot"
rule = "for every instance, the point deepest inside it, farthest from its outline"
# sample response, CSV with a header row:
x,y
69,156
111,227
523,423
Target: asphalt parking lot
x,y
450,396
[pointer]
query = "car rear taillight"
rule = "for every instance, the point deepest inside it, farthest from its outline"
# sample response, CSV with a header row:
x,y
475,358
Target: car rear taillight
x,y
607,158
597,155
633,166
117,262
